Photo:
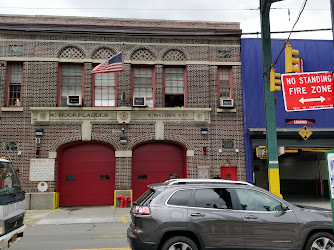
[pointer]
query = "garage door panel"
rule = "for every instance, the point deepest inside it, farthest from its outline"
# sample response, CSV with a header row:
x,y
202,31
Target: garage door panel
x,y
155,162
85,152
87,168
87,180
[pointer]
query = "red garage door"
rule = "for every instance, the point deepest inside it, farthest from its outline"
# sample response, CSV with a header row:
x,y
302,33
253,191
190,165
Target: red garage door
x,y
86,174
156,162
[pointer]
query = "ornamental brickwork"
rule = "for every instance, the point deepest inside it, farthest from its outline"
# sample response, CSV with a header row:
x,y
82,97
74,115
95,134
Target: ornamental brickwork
x,y
42,52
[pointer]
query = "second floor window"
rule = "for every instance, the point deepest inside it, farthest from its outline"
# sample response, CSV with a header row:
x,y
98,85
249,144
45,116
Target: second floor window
x,y
143,84
225,83
14,85
174,89
71,81
105,90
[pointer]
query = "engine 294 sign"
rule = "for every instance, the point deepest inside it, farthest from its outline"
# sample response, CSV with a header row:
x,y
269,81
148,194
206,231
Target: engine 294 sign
x,y
308,91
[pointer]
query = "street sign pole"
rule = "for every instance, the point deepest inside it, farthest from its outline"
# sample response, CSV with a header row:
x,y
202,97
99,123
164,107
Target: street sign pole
x,y
332,15
330,165
271,135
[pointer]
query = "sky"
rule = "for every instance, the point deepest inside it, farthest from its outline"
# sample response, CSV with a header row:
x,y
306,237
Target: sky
x,y
317,14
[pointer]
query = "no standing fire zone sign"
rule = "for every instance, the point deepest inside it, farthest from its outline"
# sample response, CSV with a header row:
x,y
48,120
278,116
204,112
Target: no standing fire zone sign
x,y
308,91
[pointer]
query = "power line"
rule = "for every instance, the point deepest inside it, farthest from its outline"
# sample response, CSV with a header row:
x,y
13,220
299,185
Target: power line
x,y
300,12
289,31
151,9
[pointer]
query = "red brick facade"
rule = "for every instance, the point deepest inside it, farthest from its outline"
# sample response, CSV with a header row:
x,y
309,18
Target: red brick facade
x,y
41,53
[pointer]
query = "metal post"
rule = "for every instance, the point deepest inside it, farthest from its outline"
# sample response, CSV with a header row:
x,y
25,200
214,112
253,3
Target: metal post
x,y
332,14
271,135
330,171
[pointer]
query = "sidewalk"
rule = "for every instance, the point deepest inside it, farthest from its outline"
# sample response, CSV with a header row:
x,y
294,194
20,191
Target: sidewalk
x,y
73,215
105,214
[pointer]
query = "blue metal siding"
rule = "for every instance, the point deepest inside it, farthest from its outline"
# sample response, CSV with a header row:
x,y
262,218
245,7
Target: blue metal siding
x,y
318,55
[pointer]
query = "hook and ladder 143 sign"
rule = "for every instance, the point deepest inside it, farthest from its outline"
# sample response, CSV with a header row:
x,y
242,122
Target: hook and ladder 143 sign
x,y
308,91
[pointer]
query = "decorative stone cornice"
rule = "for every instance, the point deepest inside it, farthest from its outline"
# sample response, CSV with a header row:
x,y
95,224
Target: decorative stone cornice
x,y
47,115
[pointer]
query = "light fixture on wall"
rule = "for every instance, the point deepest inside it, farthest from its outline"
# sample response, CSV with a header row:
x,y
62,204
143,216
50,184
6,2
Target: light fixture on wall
x,y
204,131
123,139
39,131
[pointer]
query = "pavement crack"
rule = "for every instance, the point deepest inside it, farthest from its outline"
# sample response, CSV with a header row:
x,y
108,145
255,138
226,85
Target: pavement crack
x,y
91,229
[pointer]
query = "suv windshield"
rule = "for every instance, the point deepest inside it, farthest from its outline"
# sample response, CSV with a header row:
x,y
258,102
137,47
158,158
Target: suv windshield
x,y
9,181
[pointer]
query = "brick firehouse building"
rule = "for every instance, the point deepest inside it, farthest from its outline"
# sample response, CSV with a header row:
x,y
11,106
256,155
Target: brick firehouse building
x,y
175,111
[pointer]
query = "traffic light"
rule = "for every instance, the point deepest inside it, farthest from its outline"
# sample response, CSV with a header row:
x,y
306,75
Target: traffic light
x,y
275,81
290,59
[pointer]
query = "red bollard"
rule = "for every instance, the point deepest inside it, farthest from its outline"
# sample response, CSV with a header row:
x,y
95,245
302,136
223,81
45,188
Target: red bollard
x,y
121,197
127,198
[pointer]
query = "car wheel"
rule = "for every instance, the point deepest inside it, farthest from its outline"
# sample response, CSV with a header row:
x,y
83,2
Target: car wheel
x,y
179,243
320,240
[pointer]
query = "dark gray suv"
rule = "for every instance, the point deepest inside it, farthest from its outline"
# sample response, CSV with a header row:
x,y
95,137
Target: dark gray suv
x,y
191,214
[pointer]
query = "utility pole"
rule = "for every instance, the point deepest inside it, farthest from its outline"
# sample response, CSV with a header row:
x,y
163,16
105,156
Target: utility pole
x,y
271,135
332,14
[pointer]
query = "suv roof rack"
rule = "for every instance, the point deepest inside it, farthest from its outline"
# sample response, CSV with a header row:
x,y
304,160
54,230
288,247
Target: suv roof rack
x,y
185,181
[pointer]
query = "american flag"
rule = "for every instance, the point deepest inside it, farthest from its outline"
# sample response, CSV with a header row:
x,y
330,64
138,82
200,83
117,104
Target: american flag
x,y
113,64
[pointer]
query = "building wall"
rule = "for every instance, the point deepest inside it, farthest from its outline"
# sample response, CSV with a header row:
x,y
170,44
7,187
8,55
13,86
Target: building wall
x,y
42,52
317,56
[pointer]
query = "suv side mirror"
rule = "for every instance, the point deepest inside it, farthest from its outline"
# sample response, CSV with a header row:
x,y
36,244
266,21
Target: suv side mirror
x,y
285,207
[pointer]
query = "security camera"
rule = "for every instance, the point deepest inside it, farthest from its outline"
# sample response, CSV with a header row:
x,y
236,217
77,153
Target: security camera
x,y
123,130
237,150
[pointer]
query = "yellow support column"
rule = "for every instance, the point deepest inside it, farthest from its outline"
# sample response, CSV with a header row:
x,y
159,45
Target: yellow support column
x,y
274,180
55,200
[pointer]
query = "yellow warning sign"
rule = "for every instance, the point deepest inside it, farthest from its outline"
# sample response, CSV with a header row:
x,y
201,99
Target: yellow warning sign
x,y
305,133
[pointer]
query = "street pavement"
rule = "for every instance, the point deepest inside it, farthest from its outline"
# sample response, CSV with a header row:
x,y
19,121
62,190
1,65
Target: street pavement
x,y
76,228
89,227
110,214
76,215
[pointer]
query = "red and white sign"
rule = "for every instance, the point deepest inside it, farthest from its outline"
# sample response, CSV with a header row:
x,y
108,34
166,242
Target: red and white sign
x,y
308,91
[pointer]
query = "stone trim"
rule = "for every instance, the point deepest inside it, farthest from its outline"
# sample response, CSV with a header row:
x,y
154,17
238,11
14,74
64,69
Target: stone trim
x,y
182,63
159,131
122,154
53,155
130,43
222,110
47,115
10,109
87,60
190,153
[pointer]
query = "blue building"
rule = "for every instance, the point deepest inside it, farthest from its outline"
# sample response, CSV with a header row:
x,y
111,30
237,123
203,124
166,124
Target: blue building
x,y
303,168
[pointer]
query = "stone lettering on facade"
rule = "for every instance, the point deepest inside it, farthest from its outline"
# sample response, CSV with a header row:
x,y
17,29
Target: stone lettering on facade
x,y
78,115
121,116
163,115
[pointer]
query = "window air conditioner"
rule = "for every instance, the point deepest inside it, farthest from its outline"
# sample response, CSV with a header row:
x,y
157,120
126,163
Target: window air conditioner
x,y
74,101
226,103
139,101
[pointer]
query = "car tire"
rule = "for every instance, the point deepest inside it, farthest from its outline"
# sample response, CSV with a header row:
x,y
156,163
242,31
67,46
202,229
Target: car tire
x,y
175,243
317,241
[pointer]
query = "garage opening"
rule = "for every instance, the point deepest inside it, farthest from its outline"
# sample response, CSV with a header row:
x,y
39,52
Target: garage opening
x,y
156,162
303,174
86,174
